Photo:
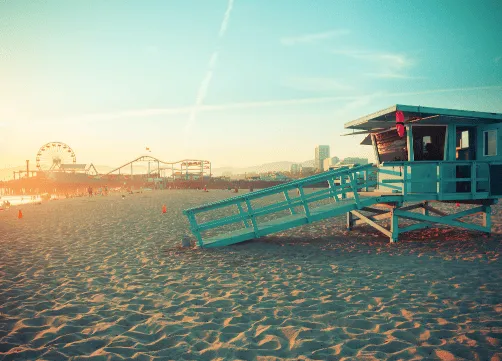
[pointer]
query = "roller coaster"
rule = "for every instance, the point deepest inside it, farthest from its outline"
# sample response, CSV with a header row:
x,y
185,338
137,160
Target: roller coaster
x,y
186,169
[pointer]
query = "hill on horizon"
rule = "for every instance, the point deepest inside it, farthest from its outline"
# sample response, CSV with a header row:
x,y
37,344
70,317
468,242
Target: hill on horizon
x,y
282,166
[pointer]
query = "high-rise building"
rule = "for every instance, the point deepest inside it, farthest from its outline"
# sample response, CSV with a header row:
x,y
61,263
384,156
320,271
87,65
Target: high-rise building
x,y
321,153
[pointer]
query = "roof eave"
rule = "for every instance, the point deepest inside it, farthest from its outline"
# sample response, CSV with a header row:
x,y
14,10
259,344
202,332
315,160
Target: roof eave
x,y
371,121
358,122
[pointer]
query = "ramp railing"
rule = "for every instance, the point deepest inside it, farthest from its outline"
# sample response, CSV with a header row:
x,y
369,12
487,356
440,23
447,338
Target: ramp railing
x,y
250,212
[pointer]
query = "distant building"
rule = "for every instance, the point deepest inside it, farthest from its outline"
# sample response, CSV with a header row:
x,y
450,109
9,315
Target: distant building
x,y
321,153
328,162
296,168
355,160
273,176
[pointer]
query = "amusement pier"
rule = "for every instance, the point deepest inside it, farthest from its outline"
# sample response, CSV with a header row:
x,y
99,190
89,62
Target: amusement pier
x,y
57,172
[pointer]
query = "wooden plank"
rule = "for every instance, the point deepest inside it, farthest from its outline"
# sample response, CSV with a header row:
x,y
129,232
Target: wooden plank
x,y
222,222
436,211
374,210
241,235
373,218
485,202
371,223
415,227
442,220
377,193
413,206
282,224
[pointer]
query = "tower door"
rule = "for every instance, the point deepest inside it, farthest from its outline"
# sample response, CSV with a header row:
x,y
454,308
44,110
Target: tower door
x,y
466,143
465,148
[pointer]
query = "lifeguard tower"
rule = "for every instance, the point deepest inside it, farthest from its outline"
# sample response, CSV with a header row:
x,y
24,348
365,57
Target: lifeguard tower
x,y
423,156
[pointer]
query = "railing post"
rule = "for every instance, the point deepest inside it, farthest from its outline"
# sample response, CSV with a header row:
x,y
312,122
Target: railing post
x,y
354,189
489,177
366,179
253,218
394,226
342,186
305,204
195,229
241,211
473,179
350,221
332,186
487,218
286,196
440,184
425,209
405,180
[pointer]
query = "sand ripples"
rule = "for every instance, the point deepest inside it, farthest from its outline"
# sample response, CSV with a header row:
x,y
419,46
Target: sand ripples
x,y
103,279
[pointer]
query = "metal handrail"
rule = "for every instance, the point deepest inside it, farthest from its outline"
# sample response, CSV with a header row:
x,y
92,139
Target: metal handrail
x,y
474,179
279,188
251,213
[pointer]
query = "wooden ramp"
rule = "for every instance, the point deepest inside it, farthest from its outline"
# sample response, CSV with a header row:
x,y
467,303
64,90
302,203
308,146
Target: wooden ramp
x,y
285,206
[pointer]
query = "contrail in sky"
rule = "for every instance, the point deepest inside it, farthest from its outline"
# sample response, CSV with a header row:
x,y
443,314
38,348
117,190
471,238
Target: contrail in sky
x,y
224,23
152,112
204,85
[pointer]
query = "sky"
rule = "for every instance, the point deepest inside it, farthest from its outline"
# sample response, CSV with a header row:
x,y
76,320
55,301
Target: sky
x,y
238,83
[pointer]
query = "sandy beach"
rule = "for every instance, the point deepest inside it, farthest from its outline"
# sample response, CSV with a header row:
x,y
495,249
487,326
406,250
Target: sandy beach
x,y
104,278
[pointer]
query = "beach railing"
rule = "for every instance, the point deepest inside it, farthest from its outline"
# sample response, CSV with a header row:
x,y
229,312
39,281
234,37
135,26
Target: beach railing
x,y
438,180
255,217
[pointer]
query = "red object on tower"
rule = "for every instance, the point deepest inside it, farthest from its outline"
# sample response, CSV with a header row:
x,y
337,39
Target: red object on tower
x,y
400,123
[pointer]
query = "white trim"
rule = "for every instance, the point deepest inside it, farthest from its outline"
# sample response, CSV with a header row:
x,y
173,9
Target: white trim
x,y
430,125
484,142
409,144
375,148
445,147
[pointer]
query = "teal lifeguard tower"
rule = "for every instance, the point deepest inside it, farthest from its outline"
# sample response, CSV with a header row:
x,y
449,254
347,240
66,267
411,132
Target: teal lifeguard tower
x,y
424,155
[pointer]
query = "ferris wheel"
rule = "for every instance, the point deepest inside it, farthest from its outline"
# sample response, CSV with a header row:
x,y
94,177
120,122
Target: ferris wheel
x,y
52,155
